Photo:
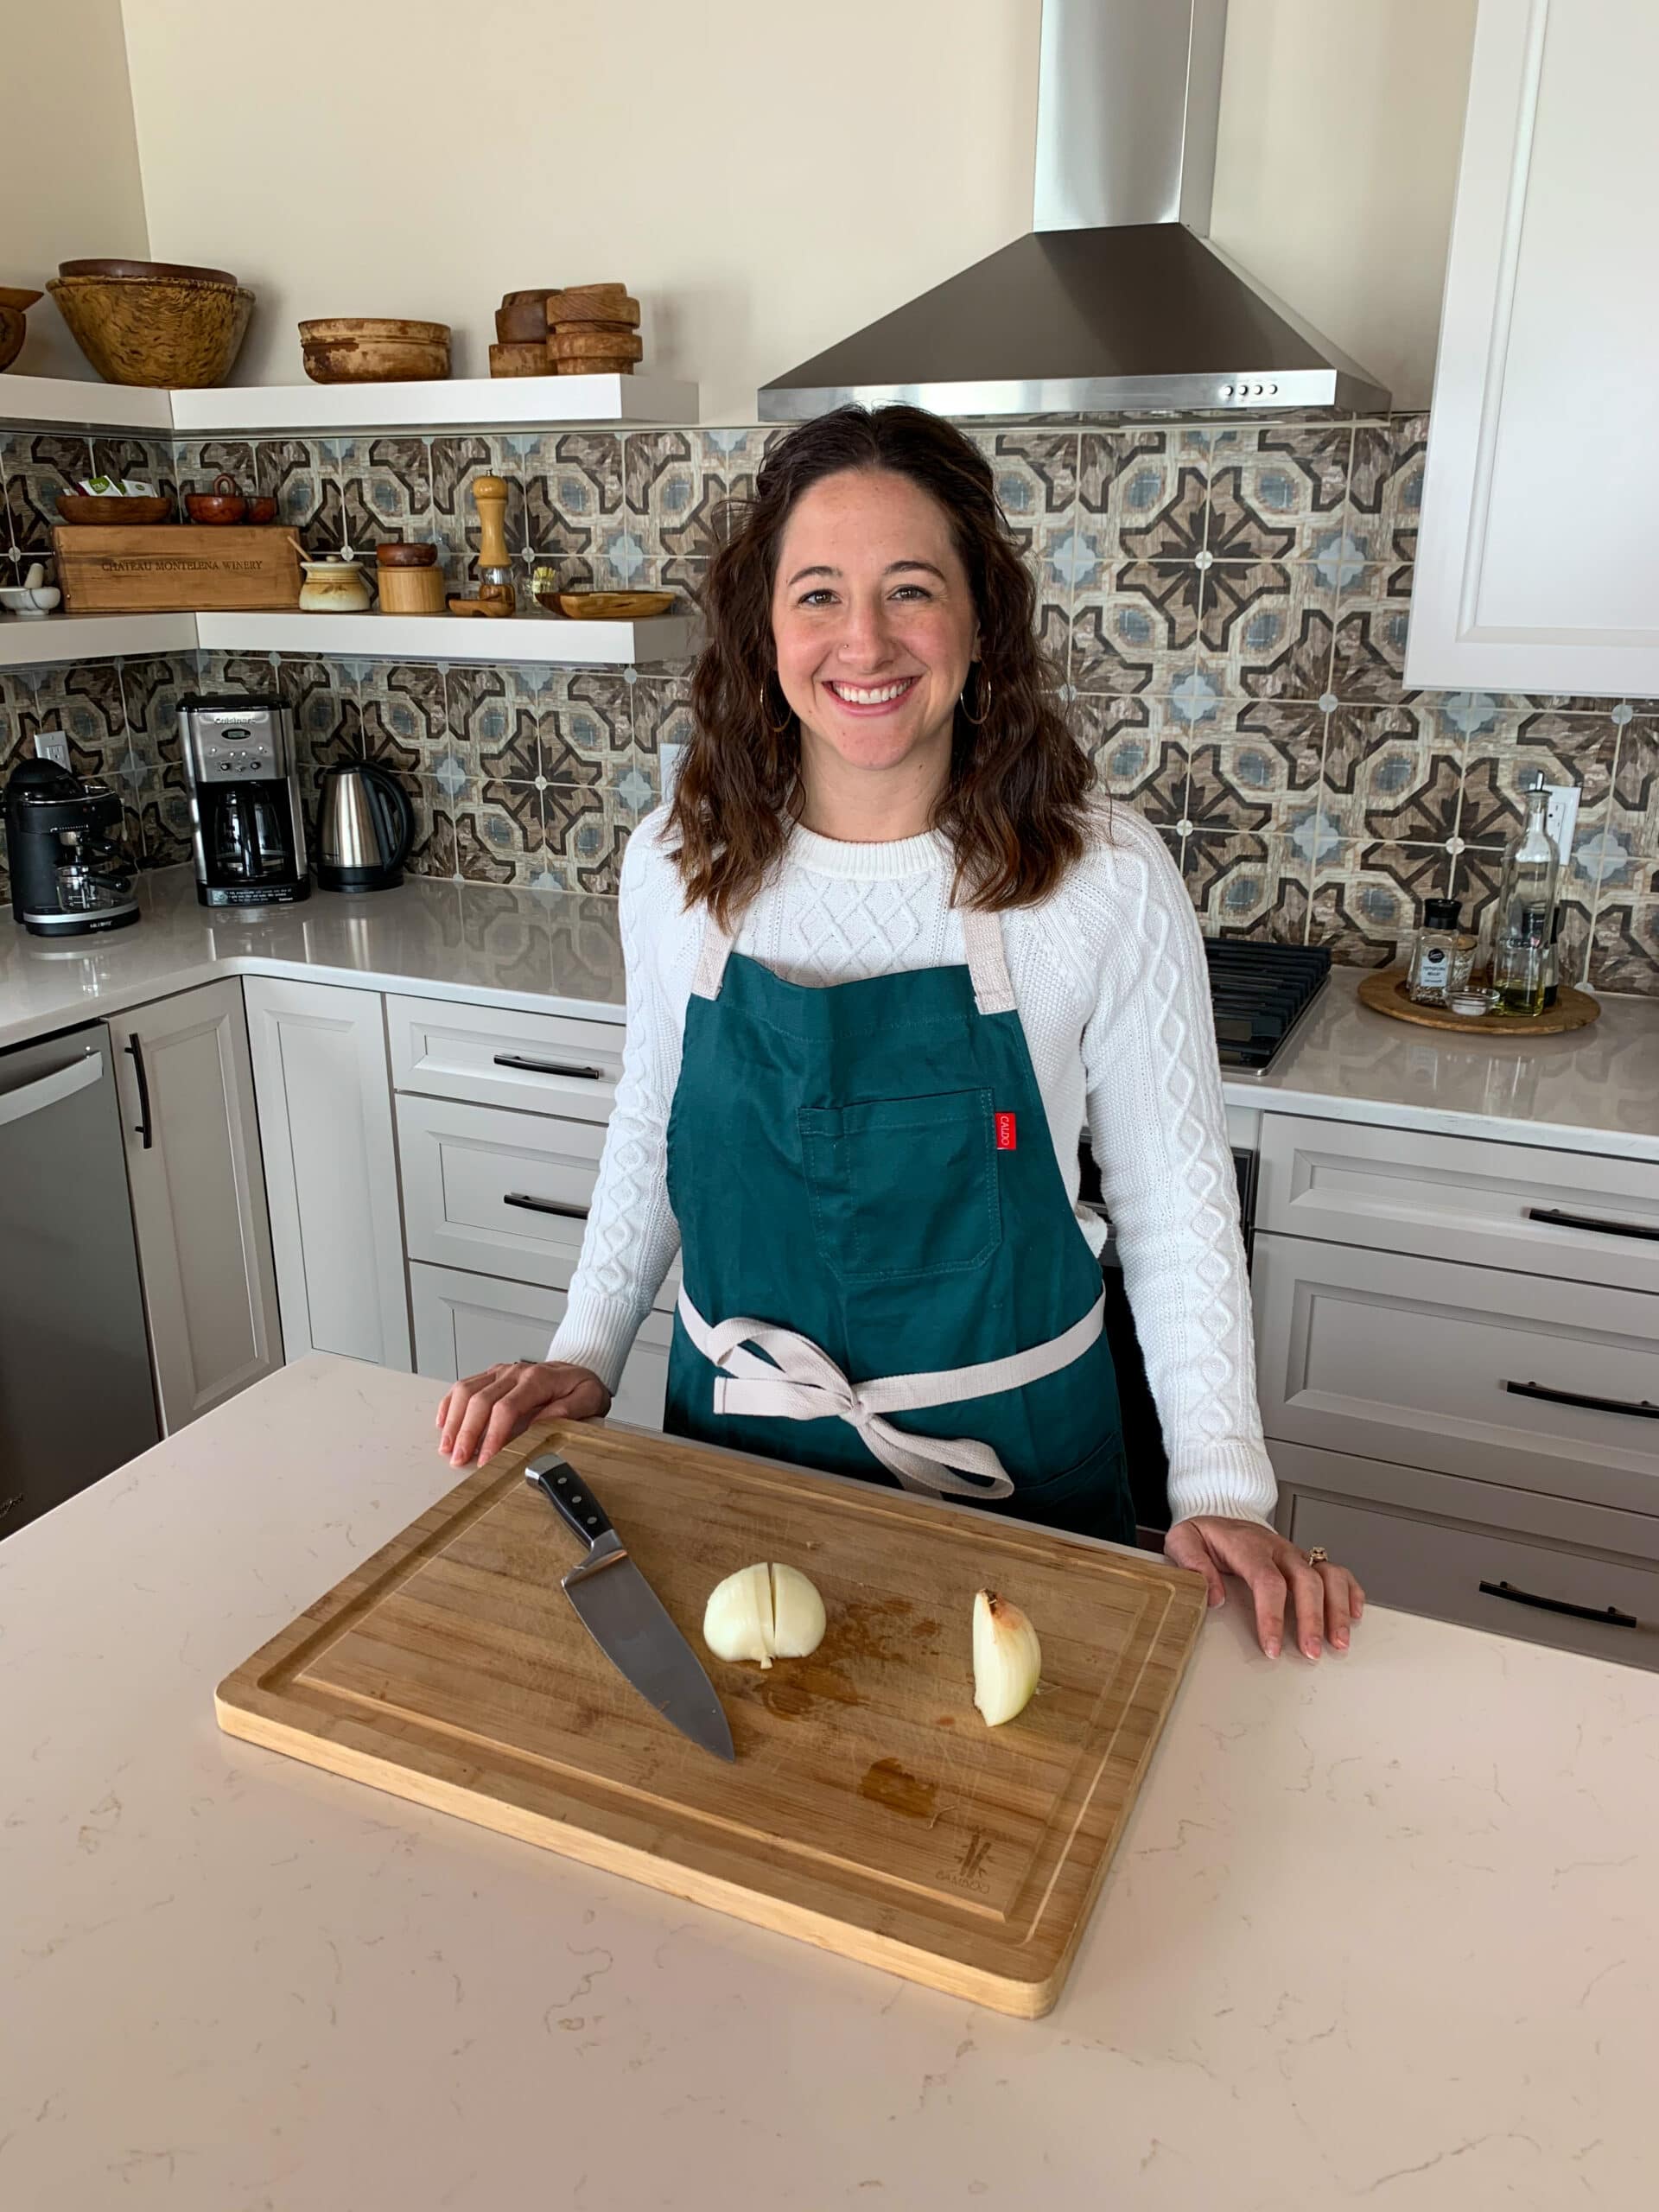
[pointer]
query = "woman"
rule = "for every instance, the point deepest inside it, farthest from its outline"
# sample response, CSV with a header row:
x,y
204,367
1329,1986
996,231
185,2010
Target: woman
x,y
883,953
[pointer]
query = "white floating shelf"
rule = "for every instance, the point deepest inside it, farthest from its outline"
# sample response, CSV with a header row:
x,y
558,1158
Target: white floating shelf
x,y
475,403
84,406
92,637
450,637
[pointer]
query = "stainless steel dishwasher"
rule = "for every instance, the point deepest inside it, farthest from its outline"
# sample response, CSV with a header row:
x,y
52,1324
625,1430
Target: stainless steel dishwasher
x,y
75,1394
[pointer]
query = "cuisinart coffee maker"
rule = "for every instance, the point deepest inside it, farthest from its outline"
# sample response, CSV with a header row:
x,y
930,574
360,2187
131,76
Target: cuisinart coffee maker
x,y
70,873
244,802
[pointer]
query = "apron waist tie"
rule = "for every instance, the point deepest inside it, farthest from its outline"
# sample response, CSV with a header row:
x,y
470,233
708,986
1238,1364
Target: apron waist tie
x,y
796,1381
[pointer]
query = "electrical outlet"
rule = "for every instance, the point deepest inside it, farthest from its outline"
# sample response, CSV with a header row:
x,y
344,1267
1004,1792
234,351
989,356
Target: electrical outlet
x,y
1561,819
52,744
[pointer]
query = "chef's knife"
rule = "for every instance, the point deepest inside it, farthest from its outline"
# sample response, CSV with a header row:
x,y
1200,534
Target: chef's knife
x,y
623,1614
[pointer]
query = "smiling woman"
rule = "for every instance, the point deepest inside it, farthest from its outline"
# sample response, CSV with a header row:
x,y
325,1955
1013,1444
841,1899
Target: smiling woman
x,y
886,955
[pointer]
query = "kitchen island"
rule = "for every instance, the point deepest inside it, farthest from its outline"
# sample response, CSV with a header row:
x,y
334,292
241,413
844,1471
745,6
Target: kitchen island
x,y
1382,1931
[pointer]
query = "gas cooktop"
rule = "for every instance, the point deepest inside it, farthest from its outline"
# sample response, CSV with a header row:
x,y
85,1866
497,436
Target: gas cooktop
x,y
1260,992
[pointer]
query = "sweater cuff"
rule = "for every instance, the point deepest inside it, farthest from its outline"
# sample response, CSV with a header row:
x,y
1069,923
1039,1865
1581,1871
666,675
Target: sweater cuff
x,y
1233,1480
599,1334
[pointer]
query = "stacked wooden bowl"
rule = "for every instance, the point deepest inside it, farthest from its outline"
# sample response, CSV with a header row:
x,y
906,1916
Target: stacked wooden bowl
x,y
582,330
155,323
592,330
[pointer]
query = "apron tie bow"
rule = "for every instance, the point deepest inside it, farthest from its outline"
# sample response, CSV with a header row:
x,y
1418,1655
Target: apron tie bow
x,y
797,1380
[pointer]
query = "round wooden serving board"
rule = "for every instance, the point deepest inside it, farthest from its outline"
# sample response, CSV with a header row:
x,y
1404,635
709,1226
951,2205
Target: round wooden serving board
x,y
1385,993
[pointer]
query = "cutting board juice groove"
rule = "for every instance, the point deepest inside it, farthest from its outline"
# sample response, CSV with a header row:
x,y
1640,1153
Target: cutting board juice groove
x,y
870,1810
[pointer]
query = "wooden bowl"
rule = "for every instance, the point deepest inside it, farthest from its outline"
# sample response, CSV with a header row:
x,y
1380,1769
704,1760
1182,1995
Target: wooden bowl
x,y
606,606
374,349
567,309
218,505
595,341
262,510
145,272
521,322
406,553
171,333
81,507
520,360
15,301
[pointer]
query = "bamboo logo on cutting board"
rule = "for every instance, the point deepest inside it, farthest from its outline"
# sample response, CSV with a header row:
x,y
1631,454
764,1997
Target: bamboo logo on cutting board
x,y
970,1867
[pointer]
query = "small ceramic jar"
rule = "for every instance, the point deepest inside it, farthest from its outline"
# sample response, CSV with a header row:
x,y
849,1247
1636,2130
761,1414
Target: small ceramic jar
x,y
334,587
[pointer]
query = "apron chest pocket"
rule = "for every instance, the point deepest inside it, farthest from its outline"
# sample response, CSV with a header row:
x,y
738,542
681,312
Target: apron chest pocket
x,y
904,1188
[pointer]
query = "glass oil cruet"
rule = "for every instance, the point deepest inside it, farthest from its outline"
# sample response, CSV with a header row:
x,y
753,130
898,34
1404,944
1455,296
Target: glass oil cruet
x,y
1526,908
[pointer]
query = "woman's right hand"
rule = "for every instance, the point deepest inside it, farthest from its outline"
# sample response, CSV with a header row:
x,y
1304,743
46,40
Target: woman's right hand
x,y
481,1413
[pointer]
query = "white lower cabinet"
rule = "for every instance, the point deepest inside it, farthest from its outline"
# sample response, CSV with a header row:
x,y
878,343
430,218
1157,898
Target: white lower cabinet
x,y
198,1198
465,1323
324,1089
1548,1569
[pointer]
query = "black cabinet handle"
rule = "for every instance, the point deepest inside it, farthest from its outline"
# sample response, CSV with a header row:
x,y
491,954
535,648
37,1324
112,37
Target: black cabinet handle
x,y
142,1129
1558,1219
1608,1615
1641,1409
548,1067
544,1205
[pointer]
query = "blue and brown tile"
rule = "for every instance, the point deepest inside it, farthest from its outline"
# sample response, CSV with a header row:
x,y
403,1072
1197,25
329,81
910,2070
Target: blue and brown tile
x,y
1145,491
1258,773
1246,883
1392,776
1368,898
1385,489
1373,615
1139,632
1266,630
584,839
385,485
1276,491
291,471
403,714
1565,749
1138,750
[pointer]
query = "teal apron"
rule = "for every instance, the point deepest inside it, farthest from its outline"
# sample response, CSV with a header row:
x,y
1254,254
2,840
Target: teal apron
x,y
883,1273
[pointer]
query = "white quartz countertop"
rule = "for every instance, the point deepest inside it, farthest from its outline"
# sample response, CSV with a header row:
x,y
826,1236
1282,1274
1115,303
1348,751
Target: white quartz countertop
x,y
1597,1091
1380,1932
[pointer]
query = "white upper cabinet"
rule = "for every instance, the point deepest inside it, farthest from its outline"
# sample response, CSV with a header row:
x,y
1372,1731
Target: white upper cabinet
x,y
1537,566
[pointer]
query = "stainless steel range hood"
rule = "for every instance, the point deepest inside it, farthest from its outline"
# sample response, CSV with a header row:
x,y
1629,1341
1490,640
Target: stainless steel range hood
x,y
1114,299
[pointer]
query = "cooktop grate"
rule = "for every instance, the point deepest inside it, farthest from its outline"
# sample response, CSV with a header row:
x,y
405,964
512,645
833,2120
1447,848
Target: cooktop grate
x,y
1260,992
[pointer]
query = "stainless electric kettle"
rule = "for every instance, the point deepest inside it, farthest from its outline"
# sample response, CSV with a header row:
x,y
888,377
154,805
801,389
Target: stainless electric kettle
x,y
364,828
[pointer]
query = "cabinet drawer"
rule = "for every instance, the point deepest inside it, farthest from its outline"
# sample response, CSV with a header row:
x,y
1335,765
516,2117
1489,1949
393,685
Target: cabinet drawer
x,y
464,1324
1464,1198
500,1193
497,1057
1485,1578
1408,1359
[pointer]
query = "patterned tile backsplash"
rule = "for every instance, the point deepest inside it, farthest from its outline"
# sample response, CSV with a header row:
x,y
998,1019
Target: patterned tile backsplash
x,y
1225,604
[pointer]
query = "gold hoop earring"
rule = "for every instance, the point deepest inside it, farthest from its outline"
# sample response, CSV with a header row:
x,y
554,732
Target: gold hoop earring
x,y
777,729
984,691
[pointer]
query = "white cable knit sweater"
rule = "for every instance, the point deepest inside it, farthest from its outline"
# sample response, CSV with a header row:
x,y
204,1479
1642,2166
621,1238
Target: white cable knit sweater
x,y
1114,998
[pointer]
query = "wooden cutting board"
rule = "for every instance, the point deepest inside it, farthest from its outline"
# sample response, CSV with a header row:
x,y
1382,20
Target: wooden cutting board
x,y
870,1810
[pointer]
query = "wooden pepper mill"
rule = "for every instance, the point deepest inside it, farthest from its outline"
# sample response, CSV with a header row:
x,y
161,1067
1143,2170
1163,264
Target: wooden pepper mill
x,y
495,592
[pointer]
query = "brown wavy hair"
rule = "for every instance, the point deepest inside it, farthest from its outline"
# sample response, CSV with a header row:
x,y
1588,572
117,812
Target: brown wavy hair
x,y
1015,803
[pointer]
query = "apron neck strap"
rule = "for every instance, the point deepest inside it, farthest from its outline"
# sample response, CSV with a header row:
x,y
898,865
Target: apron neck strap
x,y
716,950
982,937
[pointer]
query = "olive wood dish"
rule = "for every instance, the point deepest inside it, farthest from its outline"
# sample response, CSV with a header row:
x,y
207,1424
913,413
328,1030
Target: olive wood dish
x,y
606,606
1385,993
84,508
406,553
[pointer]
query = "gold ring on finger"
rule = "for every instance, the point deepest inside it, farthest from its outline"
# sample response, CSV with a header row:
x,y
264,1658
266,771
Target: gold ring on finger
x,y
1319,1556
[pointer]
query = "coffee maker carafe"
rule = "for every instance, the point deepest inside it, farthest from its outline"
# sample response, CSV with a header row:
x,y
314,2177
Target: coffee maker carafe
x,y
244,802
71,876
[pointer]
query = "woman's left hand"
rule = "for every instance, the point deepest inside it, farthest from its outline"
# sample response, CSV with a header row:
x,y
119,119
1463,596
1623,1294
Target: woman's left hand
x,y
1326,1598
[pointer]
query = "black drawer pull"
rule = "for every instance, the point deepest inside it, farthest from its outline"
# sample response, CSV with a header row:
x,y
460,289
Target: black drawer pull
x,y
141,1128
1558,1219
1642,1409
544,1205
548,1067
1608,1615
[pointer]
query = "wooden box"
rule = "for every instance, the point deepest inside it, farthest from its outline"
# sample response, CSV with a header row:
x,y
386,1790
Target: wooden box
x,y
178,567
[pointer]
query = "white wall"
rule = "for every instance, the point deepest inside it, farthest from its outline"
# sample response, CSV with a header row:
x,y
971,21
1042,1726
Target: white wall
x,y
71,159
1341,122
765,176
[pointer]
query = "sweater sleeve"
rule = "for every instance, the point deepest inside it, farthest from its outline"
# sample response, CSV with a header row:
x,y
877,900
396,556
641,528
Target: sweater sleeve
x,y
1158,1130
631,1235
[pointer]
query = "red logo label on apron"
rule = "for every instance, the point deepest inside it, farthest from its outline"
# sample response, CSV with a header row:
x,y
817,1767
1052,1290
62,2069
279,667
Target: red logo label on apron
x,y
1006,1133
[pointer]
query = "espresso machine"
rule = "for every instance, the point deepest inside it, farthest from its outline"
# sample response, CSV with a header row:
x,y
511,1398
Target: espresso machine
x,y
248,831
70,873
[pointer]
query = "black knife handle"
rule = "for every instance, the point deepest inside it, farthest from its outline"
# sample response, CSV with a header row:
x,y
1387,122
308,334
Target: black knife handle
x,y
569,1497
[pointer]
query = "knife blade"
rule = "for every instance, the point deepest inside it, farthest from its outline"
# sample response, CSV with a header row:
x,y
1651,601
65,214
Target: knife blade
x,y
624,1615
